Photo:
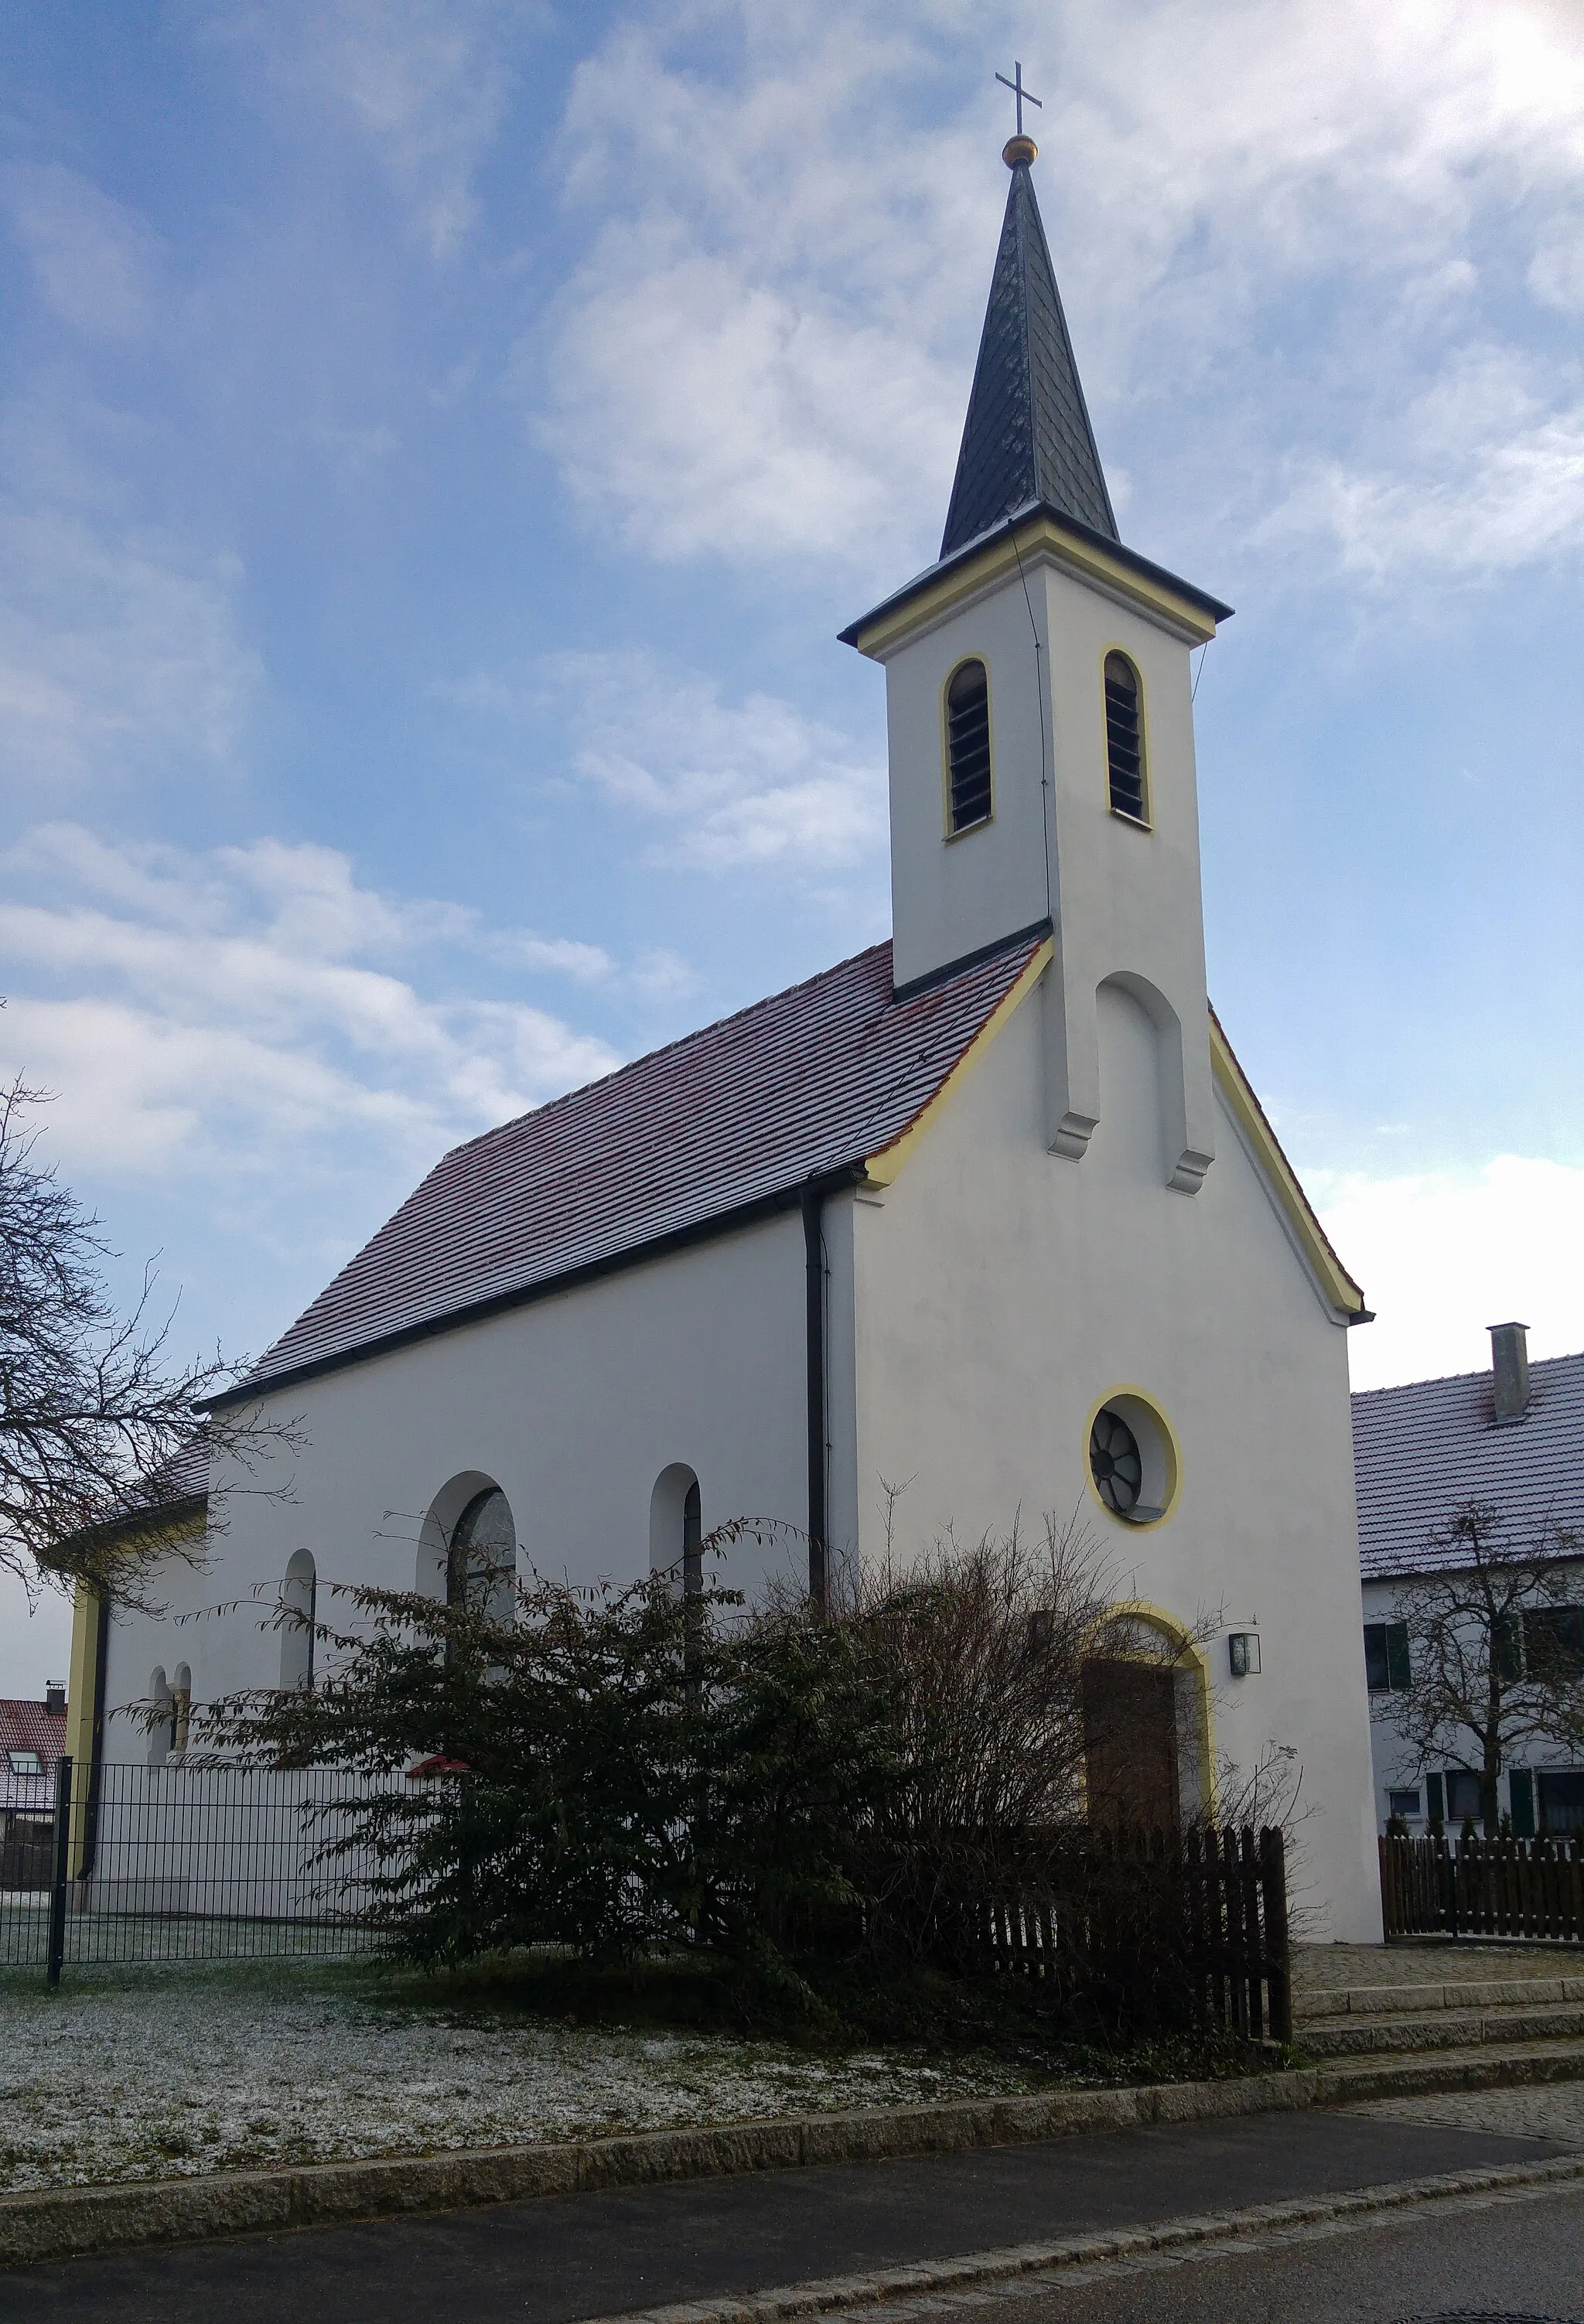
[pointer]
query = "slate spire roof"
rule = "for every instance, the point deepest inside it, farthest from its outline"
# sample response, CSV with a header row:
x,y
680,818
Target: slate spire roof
x,y
1026,437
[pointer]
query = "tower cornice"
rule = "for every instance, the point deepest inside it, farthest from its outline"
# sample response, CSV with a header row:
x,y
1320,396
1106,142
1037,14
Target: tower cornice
x,y
1034,534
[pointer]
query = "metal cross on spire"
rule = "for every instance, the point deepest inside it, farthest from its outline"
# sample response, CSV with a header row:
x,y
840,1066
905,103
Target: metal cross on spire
x,y
1023,96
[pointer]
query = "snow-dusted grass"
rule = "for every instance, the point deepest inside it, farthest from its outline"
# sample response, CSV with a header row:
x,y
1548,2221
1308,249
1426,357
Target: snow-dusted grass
x,y
151,2073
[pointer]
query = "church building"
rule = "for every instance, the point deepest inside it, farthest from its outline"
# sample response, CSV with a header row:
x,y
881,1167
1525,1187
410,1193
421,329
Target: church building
x,y
985,1222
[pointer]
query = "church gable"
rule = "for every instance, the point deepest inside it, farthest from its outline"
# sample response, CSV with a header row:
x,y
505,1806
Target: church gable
x,y
730,1121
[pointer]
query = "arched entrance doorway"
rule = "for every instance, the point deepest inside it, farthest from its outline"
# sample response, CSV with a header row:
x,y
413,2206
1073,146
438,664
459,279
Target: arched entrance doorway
x,y
1148,1748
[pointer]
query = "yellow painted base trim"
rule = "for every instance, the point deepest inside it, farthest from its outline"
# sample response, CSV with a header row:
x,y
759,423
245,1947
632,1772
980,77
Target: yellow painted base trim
x,y
883,1167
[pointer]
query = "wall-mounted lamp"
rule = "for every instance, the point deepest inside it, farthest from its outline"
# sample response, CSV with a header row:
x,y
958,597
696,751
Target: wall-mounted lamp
x,y
1243,1653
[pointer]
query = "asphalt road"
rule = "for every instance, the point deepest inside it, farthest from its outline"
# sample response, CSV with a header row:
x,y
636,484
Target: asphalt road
x,y
1518,2257
562,2258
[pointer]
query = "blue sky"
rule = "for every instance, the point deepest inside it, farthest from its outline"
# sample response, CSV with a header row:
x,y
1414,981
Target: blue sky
x,y
439,440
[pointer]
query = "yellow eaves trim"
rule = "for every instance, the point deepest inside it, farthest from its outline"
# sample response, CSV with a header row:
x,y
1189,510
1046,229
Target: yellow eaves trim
x,y
883,1167
1312,1240
1042,535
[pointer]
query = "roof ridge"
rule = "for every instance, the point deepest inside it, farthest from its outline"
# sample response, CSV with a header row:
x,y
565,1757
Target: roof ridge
x,y
1445,1380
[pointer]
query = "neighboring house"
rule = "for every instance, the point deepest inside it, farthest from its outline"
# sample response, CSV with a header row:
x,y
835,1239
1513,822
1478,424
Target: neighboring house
x,y
988,1216
33,1738
1513,1437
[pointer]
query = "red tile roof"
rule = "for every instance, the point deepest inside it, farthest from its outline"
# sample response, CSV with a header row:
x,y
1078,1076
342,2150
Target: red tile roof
x,y
800,1086
29,1727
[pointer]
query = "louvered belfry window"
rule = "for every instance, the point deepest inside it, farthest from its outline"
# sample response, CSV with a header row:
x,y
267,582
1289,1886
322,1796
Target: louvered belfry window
x,y
968,750
1125,738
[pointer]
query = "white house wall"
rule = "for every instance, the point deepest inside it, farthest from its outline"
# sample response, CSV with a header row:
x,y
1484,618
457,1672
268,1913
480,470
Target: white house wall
x,y
573,1406
1002,1292
1397,1767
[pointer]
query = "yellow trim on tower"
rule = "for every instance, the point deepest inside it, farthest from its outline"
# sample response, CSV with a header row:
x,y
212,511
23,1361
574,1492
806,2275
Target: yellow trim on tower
x,y
1337,1285
1041,536
883,1166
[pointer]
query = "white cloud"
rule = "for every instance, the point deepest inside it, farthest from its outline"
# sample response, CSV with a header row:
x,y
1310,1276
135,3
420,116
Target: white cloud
x,y
237,1014
764,354
426,83
1485,479
1443,1255
93,258
724,784
120,651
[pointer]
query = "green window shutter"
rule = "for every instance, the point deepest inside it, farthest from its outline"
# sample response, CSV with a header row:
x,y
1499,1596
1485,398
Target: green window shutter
x,y
1435,1798
1508,1649
1400,1672
1521,1792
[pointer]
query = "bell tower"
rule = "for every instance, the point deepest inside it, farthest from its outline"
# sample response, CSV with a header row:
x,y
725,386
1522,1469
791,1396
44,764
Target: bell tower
x,y
1040,723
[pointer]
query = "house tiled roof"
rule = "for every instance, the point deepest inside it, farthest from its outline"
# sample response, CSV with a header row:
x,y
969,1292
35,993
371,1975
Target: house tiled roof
x,y
1421,1450
29,1727
803,1085
1028,438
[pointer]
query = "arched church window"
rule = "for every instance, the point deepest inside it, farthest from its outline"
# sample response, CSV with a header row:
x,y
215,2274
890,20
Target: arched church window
x,y
162,1716
180,1707
481,1562
299,1616
1125,738
676,1529
692,1542
968,746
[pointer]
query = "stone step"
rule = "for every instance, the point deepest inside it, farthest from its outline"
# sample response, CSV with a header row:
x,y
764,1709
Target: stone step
x,y
1323,2004
1502,2066
1438,2029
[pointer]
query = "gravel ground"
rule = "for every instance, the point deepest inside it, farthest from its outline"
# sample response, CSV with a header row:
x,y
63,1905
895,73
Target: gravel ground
x,y
159,2073
1554,2110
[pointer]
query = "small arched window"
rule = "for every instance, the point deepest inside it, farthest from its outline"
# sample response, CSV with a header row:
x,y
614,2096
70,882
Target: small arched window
x,y
1125,738
299,1614
968,747
161,1717
676,1529
481,1565
180,1707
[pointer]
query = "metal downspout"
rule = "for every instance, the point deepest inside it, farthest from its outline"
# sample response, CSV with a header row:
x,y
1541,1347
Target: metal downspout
x,y
812,1202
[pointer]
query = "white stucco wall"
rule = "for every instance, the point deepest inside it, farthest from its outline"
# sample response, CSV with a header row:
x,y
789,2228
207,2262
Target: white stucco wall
x,y
1003,1291
1396,1769
573,1406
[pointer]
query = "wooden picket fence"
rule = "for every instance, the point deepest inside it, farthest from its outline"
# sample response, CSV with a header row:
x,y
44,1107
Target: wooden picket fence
x,y
1196,1923
1477,1888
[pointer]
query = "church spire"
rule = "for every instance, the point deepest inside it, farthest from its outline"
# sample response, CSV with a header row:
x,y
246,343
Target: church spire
x,y
1026,437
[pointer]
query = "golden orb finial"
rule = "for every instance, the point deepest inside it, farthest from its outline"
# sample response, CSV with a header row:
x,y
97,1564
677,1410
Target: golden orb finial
x,y
1019,149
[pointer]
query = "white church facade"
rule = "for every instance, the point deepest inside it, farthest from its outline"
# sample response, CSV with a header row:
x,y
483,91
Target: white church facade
x,y
984,1220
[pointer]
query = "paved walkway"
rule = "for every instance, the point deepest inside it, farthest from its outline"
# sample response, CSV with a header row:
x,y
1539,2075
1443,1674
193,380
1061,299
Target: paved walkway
x,y
1321,1969
569,2257
1549,2110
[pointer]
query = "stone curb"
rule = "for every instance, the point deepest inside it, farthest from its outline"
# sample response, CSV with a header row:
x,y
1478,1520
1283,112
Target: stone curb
x,y
1420,2074
1324,2003
1038,2260
71,2222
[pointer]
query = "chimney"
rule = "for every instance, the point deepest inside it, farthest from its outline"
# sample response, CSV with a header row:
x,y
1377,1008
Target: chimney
x,y
55,1697
1510,1366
